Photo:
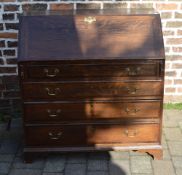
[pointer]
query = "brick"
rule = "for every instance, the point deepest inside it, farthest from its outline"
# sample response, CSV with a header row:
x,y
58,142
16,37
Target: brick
x,y
168,32
7,0
1,61
166,155
11,26
170,73
52,174
141,164
173,134
168,82
166,15
119,167
163,167
1,27
173,57
172,98
25,171
88,6
119,155
32,7
170,90
179,89
179,171
4,103
2,43
177,162
19,164
97,165
178,81
115,5
2,87
76,158
8,35
8,79
170,123
174,41
178,15
9,52
166,6
98,156
179,32
175,24
12,43
61,6
177,65
7,69
141,5
97,173
11,94
9,146
167,49
55,164
4,168
75,169
11,7
168,65
177,49
6,157
11,61
8,16
175,148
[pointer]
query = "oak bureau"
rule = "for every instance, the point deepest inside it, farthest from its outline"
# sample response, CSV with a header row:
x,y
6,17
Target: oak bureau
x,y
91,80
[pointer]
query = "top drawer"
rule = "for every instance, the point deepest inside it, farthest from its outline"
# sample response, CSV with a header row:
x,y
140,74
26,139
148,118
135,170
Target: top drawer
x,y
60,71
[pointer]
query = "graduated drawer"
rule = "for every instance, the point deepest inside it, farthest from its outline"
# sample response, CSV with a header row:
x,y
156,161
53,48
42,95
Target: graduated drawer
x,y
84,135
84,90
59,112
60,71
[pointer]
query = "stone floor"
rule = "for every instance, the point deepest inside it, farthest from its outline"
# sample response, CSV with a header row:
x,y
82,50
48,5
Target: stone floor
x,y
105,163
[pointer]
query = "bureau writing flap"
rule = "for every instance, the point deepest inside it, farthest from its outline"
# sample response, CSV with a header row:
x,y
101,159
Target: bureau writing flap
x,y
84,36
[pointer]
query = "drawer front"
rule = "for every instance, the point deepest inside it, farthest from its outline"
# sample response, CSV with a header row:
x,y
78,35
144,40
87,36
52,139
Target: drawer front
x,y
78,90
84,135
56,135
55,112
70,71
123,133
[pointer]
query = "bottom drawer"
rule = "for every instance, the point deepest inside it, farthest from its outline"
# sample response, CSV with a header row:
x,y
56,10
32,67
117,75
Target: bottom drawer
x,y
90,135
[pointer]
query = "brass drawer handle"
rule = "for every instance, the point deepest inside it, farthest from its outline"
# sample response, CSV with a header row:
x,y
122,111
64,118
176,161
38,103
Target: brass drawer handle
x,y
132,91
133,71
55,114
55,136
131,133
52,92
132,111
55,72
89,19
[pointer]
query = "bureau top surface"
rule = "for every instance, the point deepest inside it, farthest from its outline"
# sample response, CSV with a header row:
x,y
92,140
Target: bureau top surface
x,y
90,34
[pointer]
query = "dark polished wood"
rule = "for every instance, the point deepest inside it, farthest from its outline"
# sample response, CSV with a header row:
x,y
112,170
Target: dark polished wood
x,y
126,69
116,37
91,80
60,112
84,90
89,135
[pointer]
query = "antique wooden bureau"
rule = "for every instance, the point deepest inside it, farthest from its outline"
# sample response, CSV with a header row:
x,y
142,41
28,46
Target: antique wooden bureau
x,y
91,80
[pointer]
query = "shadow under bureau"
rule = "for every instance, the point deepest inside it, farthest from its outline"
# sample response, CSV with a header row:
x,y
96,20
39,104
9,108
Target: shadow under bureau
x,y
91,80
